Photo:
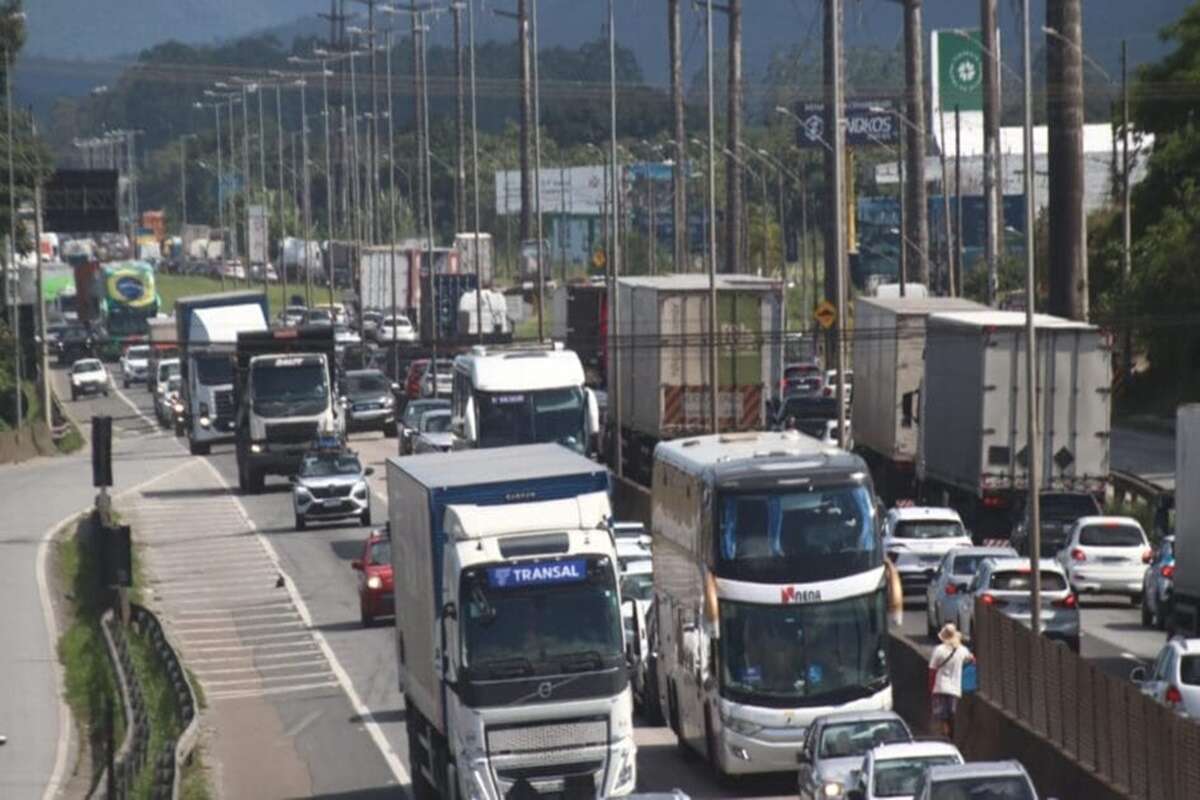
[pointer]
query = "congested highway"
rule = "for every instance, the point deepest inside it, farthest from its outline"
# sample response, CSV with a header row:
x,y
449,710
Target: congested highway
x,y
332,719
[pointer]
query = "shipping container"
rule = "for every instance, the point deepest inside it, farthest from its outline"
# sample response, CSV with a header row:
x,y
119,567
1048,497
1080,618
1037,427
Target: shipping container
x,y
446,293
663,370
381,265
889,365
464,243
580,321
973,433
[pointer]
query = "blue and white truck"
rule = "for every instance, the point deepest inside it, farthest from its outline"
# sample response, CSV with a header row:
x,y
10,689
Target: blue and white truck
x,y
509,638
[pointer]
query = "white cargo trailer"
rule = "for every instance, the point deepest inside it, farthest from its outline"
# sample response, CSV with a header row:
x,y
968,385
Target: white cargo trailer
x,y
889,365
664,369
973,434
1185,615
381,267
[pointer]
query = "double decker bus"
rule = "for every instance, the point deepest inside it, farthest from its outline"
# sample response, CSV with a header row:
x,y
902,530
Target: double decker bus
x,y
769,594
127,299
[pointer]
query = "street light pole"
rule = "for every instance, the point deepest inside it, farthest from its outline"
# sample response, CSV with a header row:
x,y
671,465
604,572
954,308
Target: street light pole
x,y
15,318
615,356
475,170
1031,420
714,402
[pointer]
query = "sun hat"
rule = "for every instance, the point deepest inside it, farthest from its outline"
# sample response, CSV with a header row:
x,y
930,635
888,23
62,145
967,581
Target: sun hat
x,y
949,634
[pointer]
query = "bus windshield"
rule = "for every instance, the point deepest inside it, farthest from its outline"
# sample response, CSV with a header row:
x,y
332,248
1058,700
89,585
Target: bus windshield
x,y
807,534
546,415
804,654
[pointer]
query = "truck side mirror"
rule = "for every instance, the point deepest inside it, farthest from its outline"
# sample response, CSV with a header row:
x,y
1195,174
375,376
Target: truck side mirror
x,y
470,427
593,412
356,565
450,611
369,471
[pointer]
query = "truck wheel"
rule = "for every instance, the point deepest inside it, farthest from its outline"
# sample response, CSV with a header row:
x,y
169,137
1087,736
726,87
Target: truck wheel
x,y
651,704
254,480
1148,619
74,394
301,523
365,517
713,752
201,449
364,615
390,431
1136,599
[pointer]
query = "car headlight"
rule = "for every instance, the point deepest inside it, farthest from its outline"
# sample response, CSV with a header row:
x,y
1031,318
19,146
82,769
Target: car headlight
x,y
374,582
832,789
360,490
178,407
388,402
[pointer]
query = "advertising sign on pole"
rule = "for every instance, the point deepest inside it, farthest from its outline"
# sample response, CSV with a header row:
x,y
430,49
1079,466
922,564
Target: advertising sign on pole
x,y
957,70
256,227
868,123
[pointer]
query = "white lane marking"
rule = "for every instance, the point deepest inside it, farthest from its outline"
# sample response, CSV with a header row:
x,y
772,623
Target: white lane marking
x,y
240,694
298,650
188,627
316,674
209,612
260,667
244,640
291,623
198,617
373,729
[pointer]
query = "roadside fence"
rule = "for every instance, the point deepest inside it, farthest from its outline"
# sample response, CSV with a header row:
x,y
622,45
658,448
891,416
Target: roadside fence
x,y
1105,723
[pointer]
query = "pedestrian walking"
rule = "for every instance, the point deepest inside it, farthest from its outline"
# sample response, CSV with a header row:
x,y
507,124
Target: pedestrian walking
x,y
945,677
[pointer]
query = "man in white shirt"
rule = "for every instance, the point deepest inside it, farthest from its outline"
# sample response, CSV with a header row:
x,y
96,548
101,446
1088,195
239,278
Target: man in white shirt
x,y
945,677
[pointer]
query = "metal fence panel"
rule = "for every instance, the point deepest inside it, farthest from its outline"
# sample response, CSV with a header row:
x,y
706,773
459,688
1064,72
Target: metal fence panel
x,y
1139,742
1087,718
1185,761
1051,666
1100,720
1069,698
1118,727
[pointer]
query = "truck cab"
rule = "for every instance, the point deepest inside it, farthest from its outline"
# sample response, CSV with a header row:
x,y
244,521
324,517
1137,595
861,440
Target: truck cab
x,y
522,396
284,398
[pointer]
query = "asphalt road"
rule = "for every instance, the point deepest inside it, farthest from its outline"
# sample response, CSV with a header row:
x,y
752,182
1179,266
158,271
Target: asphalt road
x,y
1146,453
349,739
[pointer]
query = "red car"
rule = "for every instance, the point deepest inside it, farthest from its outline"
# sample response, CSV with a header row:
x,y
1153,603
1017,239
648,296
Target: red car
x,y
375,598
412,381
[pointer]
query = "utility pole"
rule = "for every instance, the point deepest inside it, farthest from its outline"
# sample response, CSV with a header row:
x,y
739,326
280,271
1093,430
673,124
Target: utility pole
x,y
615,356
714,377
678,173
834,105
734,197
39,302
1126,222
1064,115
902,195
958,244
15,319
993,183
917,207
418,122
182,183
537,169
832,9
526,116
460,125
475,173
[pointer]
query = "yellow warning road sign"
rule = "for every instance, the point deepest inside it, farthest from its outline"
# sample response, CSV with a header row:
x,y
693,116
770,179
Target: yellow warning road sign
x,y
825,314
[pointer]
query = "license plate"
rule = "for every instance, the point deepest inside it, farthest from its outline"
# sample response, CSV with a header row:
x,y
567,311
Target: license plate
x,y
931,559
1114,560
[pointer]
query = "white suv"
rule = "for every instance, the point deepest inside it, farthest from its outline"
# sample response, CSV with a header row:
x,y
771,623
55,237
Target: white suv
x,y
88,376
915,540
1005,584
134,364
1174,679
1106,555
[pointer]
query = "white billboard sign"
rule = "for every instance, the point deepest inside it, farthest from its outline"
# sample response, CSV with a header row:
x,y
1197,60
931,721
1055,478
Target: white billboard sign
x,y
257,234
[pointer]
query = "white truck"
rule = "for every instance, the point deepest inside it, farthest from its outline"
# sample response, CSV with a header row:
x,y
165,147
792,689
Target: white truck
x,y
889,365
1184,617
973,453
206,330
504,397
283,390
388,280
509,638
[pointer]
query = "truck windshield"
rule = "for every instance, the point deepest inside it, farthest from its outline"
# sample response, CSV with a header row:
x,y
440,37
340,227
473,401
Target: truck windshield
x,y
815,533
546,415
214,370
540,618
286,391
810,654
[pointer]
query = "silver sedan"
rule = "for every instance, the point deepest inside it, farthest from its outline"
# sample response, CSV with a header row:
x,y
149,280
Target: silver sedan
x,y
948,588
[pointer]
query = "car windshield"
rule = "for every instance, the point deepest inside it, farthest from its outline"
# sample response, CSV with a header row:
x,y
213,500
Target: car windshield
x,y
371,383
639,587
784,655
137,353
435,422
815,533
847,739
90,365
381,551
289,390
1007,788
1067,506
168,368
929,529
1021,581
318,317
898,777
543,617
1114,535
214,370
547,415
324,466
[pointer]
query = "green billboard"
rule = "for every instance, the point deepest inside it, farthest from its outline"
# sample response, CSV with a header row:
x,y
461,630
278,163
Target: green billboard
x,y
960,70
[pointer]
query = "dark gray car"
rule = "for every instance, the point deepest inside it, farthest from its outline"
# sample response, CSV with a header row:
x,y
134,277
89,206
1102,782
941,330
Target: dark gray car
x,y
410,423
370,402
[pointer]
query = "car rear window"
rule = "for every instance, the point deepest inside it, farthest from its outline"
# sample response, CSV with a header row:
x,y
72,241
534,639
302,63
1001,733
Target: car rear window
x,y
856,738
1022,581
966,565
1189,670
1111,536
1068,506
928,529
1013,788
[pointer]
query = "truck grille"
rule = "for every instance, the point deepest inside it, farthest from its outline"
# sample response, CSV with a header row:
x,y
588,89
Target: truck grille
x,y
223,400
331,491
550,771
292,432
535,737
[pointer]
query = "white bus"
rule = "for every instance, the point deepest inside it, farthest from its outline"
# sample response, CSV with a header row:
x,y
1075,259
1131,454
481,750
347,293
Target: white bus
x,y
509,397
770,594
